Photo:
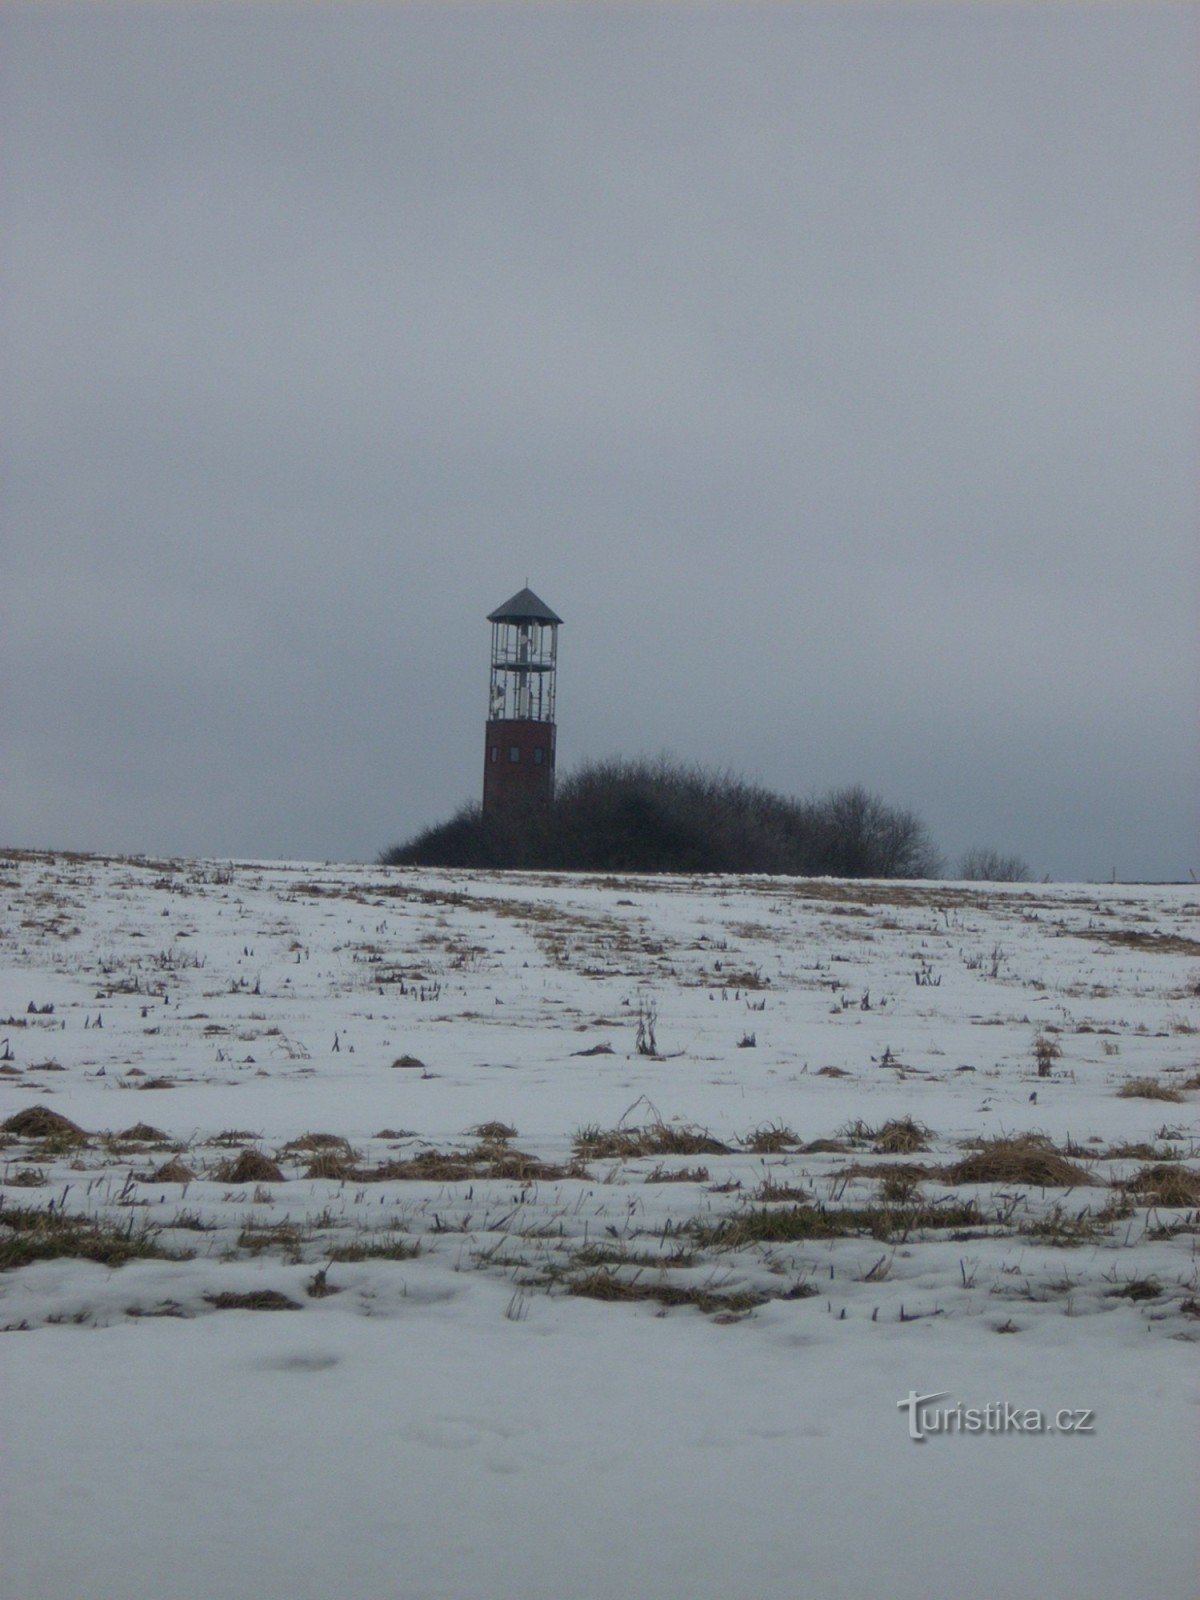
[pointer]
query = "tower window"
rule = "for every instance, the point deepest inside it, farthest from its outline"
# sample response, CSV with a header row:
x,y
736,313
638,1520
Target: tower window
x,y
514,752
495,752
539,755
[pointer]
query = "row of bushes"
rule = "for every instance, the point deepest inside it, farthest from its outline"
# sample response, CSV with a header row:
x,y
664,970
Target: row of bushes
x,y
642,816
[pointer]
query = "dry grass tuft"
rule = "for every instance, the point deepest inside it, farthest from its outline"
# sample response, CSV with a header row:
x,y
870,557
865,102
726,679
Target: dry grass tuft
x,y
173,1171
142,1133
250,1167
498,1161
1148,1089
771,1139
283,1236
880,1170
793,1224
1167,944
603,1284
1142,1151
1139,1289
1029,1158
1066,1230
762,1226
677,1175
899,1185
317,1141
389,1247
515,1165
1165,1184
899,1137
658,1139
493,1132
334,1165
769,1191
259,1300
39,1122
431,1166
28,1234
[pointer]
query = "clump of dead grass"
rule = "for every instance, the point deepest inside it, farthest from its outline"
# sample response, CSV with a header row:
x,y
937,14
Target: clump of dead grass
x,y
1067,1230
388,1247
657,1139
1141,1151
316,1141
493,1132
33,1234
901,1136
1170,944
258,1300
662,1174
515,1165
252,1166
771,1192
1165,1184
429,1166
1028,1158
337,1166
604,1284
793,1224
912,1171
173,1171
620,1255
1148,1089
142,1133
1138,1289
771,1139
497,1160
39,1122
899,1185
282,1236
1046,1051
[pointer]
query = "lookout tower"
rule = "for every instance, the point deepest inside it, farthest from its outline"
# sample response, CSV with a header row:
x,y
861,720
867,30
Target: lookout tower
x,y
519,757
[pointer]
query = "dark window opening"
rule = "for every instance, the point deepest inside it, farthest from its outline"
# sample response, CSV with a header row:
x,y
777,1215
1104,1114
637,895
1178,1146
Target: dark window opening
x,y
514,752
539,755
495,752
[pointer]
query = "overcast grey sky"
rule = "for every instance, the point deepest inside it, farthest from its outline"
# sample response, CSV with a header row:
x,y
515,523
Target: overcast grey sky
x,y
832,371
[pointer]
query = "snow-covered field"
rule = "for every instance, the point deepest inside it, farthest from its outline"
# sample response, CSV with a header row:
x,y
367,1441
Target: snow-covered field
x,y
441,1234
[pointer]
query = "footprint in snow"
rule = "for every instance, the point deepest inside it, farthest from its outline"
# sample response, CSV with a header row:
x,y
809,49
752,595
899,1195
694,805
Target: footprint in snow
x,y
310,1361
456,1433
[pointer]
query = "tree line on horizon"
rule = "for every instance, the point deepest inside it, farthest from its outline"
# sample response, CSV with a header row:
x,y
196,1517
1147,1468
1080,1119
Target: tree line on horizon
x,y
662,816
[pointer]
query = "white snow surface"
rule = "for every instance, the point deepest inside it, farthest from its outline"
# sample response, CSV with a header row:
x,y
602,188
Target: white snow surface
x,y
438,1407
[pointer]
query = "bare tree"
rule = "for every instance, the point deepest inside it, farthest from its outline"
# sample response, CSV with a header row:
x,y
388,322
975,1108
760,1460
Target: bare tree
x,y
863,837
981,865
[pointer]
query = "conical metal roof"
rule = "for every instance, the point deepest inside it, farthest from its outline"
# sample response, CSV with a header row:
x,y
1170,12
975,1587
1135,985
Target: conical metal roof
x,y
523,607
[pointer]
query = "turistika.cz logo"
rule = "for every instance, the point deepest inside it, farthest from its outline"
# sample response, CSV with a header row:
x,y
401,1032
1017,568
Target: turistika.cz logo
x,y
926,1417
